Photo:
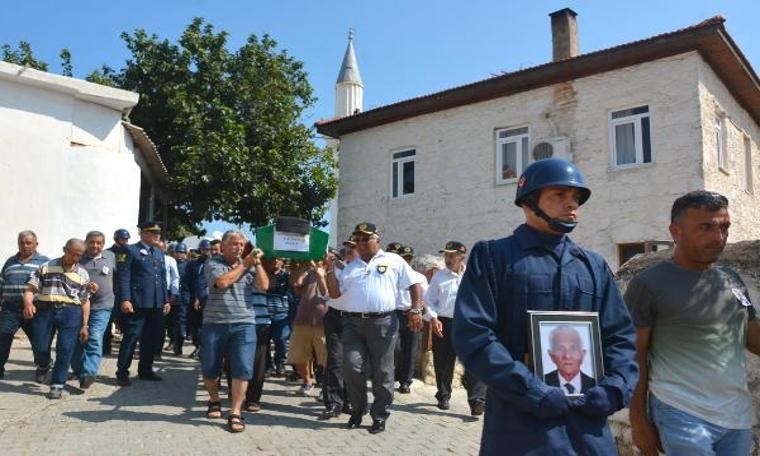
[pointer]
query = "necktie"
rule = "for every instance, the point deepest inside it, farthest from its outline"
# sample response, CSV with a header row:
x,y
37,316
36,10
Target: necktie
x,y
570,388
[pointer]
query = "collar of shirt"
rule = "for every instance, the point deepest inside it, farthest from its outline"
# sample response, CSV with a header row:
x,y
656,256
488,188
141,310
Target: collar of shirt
x,y
456,274
146,246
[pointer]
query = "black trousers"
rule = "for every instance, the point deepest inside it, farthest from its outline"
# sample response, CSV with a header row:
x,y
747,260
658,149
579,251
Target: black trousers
x,y
373,339
193,324
147,327
444,358
407,350
333,388
256,384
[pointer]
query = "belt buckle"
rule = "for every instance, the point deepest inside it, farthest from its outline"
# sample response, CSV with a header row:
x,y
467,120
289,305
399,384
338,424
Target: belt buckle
x,y
364,315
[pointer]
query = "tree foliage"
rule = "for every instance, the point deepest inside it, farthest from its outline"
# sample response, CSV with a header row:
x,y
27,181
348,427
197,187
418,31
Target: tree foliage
x,y
226,123
22,55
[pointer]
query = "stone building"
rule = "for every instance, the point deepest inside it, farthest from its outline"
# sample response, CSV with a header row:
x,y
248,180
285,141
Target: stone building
x,y
70,163
646,122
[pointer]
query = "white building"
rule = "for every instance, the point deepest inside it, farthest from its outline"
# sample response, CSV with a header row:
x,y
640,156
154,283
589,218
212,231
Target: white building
x,y
645,122
69,163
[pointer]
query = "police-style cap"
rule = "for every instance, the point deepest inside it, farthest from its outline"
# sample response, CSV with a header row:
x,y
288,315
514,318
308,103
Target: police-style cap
x,y
204,244
121,233
454,247
180,247
406,250
394,247
151,226
351,242
365,228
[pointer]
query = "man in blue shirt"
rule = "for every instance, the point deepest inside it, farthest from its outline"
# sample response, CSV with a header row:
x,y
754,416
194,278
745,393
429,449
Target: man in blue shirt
x,y
540,268
144,302
15,273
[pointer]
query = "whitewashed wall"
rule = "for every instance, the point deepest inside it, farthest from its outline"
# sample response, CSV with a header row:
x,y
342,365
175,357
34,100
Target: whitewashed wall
x,y
67,167
456,195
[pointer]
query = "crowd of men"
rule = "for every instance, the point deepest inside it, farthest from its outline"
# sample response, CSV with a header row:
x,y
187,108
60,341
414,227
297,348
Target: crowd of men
x,y
673,347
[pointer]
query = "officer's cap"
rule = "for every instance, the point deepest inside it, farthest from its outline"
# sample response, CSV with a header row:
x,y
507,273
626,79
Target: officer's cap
x,y
406,251
365,228
394,247
351,242
150,226
454,247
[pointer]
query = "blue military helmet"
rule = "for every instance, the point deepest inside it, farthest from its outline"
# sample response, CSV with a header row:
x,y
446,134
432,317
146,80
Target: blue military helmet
x,y
551,172
121,233
204,244
180,247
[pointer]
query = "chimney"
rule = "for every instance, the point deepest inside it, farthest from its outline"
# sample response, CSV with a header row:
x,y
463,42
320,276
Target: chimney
x,y
564,34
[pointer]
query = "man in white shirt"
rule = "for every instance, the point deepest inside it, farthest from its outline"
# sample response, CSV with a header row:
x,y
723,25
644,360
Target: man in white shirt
x,y
408,346
440,298
368,287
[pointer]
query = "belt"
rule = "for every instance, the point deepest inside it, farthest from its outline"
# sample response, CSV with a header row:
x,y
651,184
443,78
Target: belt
x,y
53,305
343,313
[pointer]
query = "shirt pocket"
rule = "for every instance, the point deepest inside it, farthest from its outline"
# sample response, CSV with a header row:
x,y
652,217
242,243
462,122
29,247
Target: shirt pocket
x,y
583,298
539,292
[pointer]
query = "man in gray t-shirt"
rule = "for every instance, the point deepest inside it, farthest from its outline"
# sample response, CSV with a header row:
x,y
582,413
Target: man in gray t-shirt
x,y
100,265
693,321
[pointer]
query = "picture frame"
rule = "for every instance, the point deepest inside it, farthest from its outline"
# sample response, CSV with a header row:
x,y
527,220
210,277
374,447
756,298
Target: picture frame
x,y
566,349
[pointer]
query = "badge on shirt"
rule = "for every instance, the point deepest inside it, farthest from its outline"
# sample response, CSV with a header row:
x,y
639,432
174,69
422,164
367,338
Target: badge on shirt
x,y
143,252
105,270
381,268
740,296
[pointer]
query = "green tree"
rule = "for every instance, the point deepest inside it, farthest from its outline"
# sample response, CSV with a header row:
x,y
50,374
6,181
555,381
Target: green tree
x,y
227,126
66,67
22,55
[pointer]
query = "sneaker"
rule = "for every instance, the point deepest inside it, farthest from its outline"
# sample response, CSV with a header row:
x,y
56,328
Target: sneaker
x,y
56,392
305,390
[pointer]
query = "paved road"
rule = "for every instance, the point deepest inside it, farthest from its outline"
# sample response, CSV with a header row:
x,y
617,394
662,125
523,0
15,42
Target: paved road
x,y
169,418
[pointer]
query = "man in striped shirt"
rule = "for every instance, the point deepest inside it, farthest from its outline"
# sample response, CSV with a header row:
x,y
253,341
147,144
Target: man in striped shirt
x,y
15,273
63,292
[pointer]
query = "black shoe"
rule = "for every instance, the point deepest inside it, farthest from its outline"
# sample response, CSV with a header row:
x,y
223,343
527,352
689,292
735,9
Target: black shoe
x,y
123,381
2,372
150,376
346,408
158,357
332,412
378,426
280,371
41,375
443,404
86,382
72,376
477,408
177,350
404,389
354,422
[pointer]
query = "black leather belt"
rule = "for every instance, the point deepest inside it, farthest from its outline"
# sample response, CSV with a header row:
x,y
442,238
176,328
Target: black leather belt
x,y
47,305
343,313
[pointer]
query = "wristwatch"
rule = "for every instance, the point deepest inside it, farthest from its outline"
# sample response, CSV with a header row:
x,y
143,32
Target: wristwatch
x,y
417,311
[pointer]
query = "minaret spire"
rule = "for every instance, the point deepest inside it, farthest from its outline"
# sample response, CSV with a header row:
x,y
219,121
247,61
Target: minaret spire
x,y
349,89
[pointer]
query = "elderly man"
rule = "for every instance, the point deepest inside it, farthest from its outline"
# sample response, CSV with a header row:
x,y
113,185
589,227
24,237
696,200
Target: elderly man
x,y
408,344
144,302
228,323
62,305
13,278
694,323
538,267
370,327
100,264
441,298
566,352
196,283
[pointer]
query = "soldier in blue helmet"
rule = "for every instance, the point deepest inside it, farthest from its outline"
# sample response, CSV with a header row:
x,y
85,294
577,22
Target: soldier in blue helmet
x,y
539,267
182,302
196,283
120,240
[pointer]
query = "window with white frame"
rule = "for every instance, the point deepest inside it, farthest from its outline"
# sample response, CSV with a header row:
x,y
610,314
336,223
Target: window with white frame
x,y
630,136
402,173
720,142
512,153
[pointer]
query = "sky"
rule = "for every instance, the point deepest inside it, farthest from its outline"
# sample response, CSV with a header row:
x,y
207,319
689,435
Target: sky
x,y
404,48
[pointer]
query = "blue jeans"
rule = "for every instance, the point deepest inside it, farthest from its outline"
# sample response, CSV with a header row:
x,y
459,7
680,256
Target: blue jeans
x,y
87,356
237,341
280,334
11,319
687,435
67,321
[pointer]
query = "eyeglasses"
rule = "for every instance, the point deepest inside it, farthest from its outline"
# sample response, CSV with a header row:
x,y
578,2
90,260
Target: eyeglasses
x,y
572,351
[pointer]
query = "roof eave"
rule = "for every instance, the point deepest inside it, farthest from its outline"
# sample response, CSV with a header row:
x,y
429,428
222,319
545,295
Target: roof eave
x,y
149,152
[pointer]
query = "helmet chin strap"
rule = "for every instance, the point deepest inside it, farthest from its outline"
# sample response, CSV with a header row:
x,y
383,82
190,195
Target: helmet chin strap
x,y
554,223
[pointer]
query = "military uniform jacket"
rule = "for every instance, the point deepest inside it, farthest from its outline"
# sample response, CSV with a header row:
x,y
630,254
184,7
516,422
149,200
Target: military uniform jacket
x,y
504,279
142,277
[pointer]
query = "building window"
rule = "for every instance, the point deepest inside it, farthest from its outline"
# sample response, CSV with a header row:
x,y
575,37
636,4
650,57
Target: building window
x,y
512,154
402,172
630,137
748,164
720,142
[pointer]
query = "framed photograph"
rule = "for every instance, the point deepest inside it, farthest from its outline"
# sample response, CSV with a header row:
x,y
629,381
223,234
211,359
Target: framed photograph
x,y
566,348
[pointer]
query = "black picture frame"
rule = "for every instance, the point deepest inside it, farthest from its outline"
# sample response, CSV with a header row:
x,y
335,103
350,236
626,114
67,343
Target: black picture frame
x,y
570,326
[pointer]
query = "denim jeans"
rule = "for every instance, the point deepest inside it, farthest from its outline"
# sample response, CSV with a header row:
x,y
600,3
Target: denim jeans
x,y
280,333
87,356
236,341
687,435
67,321
11,319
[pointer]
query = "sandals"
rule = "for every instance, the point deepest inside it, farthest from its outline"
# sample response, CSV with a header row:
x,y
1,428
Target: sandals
x,y
213,409
235,423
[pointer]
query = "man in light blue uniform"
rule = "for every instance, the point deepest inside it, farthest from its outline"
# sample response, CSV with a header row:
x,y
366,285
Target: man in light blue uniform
x,y
539,268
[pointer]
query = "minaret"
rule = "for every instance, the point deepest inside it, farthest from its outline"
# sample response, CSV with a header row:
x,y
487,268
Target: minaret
x,y
349,94
349,90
